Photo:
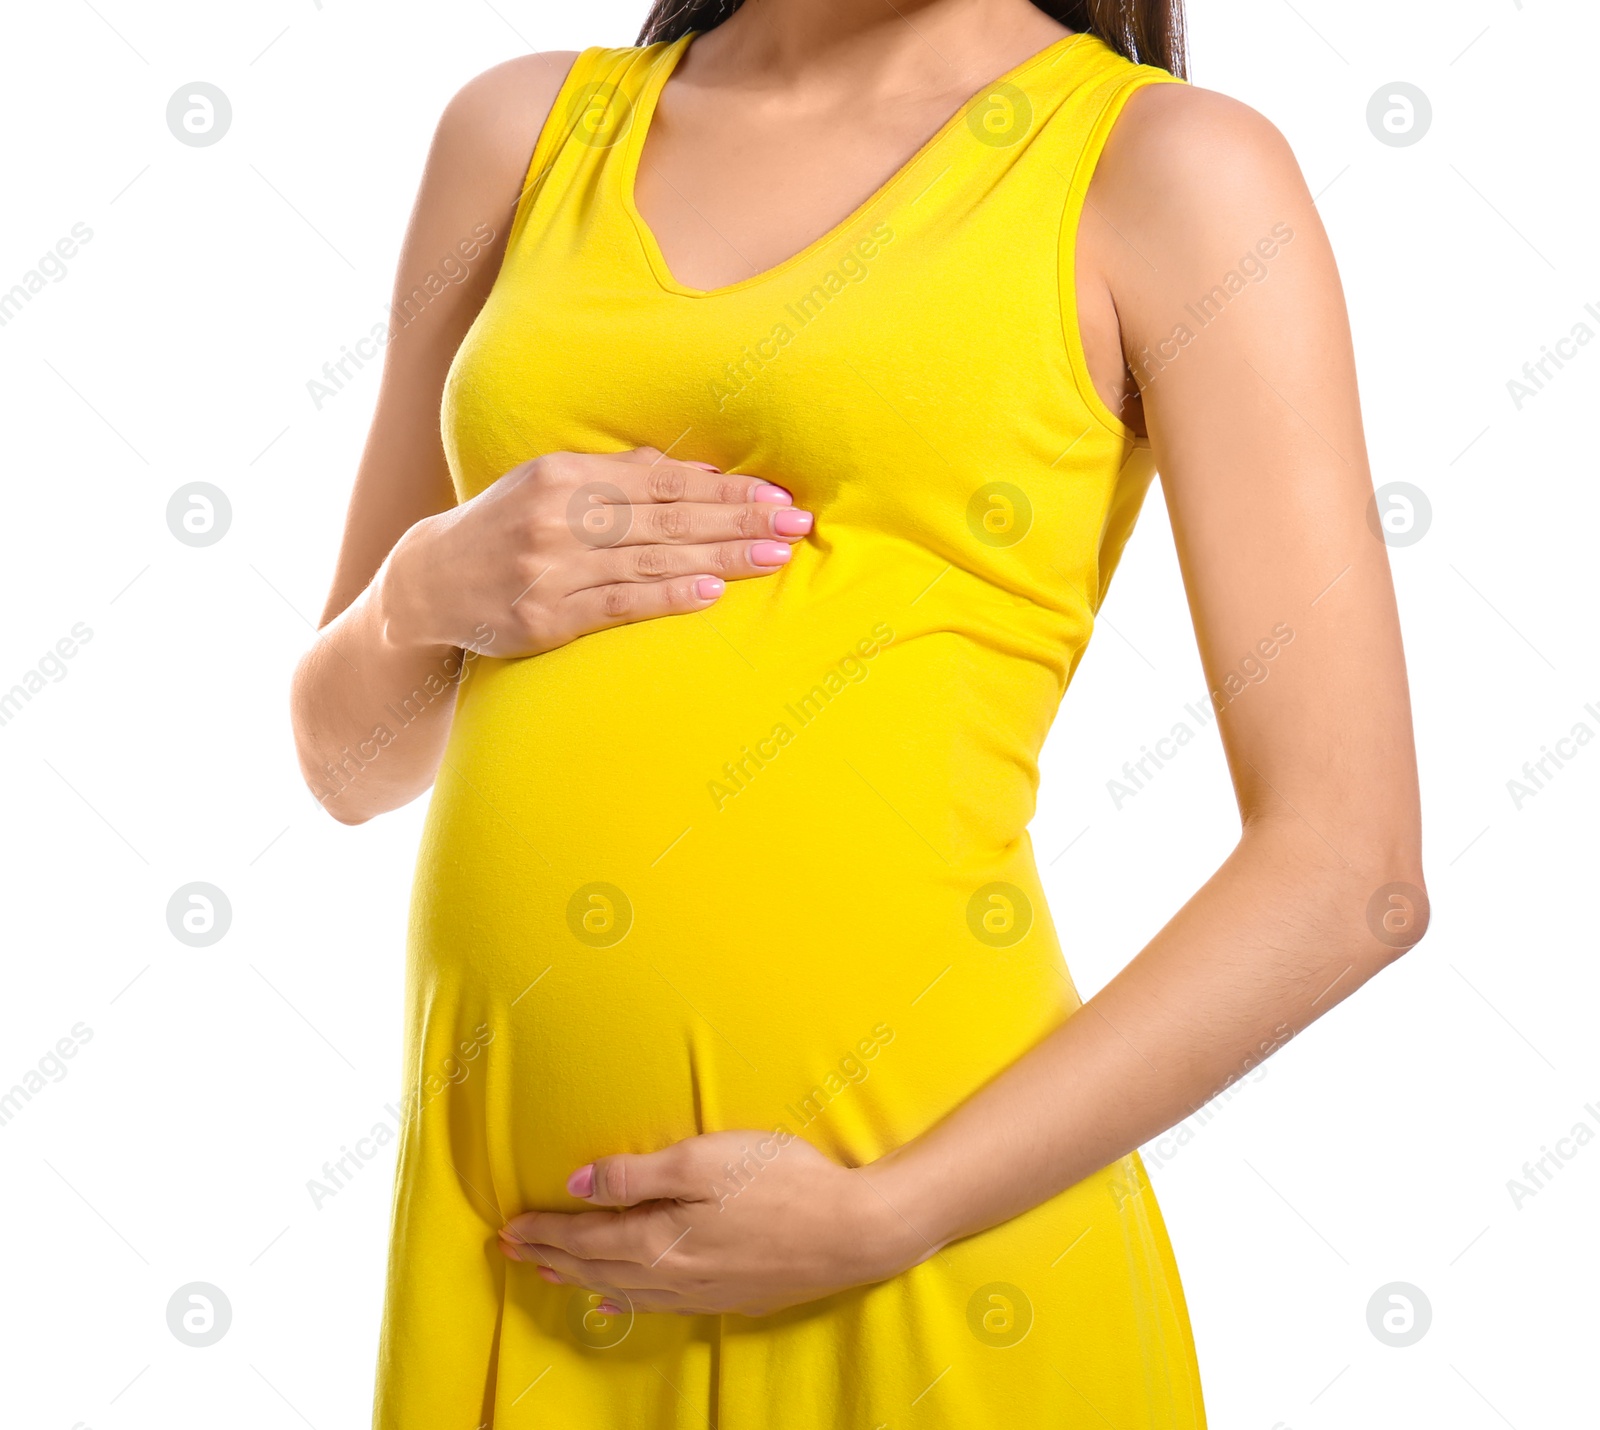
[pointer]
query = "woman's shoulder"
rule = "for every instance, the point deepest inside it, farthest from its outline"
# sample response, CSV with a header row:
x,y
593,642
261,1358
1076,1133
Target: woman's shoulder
x,y
1189,151
496,110
1189,179
1197,198
486,132
493,117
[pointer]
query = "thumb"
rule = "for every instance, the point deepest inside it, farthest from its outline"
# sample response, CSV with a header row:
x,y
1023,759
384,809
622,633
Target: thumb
x,y
627,1179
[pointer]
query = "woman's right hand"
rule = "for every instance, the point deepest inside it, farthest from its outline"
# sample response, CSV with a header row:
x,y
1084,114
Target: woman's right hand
x,y
570,543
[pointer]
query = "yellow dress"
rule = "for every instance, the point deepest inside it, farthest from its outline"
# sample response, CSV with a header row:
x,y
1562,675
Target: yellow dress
x,y
767,866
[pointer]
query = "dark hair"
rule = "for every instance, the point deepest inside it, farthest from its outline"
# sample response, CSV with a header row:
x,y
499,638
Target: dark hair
x,y
1148,32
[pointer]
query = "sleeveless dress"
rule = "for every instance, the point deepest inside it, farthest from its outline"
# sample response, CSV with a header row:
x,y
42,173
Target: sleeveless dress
x,y
767,866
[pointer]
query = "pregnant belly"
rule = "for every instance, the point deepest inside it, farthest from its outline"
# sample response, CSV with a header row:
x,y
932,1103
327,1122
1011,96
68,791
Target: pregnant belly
x,y
681,877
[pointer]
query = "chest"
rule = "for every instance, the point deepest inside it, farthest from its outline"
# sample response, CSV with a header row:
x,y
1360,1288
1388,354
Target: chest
x,y
728,201
724,203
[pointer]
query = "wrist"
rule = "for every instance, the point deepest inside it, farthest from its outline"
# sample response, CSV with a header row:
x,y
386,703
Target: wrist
x,y
905,1221
399,599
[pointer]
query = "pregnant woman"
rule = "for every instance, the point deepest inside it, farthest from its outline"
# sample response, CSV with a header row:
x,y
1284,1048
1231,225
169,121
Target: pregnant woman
x,y
750,464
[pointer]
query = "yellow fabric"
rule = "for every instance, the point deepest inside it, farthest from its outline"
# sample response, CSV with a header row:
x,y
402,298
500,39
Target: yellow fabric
x,y
806,809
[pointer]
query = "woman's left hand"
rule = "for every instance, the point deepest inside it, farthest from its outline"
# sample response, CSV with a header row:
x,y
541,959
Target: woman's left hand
x,y
730,1222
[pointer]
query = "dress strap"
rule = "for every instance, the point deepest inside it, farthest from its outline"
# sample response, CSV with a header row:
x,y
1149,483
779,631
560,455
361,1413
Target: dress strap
x,y
590,112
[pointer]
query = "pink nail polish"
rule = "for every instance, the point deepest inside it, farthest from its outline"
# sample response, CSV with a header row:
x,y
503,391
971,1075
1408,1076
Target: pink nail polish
x,y
609,1308
708,588
704,467
549,1275
792,523
769,553
770,492
581,1182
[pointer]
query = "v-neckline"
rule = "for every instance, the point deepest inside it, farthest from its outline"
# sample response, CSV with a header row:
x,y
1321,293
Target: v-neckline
x,y
638,132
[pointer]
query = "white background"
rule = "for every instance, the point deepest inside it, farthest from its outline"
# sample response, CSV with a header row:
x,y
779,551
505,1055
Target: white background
x,y
177,1145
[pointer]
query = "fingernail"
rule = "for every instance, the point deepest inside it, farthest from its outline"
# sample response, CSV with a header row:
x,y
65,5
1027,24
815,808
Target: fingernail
x,y
768,492
769,553
550,1275
792,523
707,588
704,466
609,1308
581,1182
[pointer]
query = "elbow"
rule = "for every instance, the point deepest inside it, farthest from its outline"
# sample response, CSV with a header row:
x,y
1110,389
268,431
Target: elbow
x,y
1366,909
342,813
328,776
1387,883
1397,913
335,803
346,798
331,787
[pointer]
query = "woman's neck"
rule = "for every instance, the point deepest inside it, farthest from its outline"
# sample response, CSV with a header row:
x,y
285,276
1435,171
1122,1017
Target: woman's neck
x,y
877,51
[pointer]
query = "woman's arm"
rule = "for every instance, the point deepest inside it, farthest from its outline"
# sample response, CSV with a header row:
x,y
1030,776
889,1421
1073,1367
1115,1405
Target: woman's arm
x,y
1256,427
422,581
469,187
